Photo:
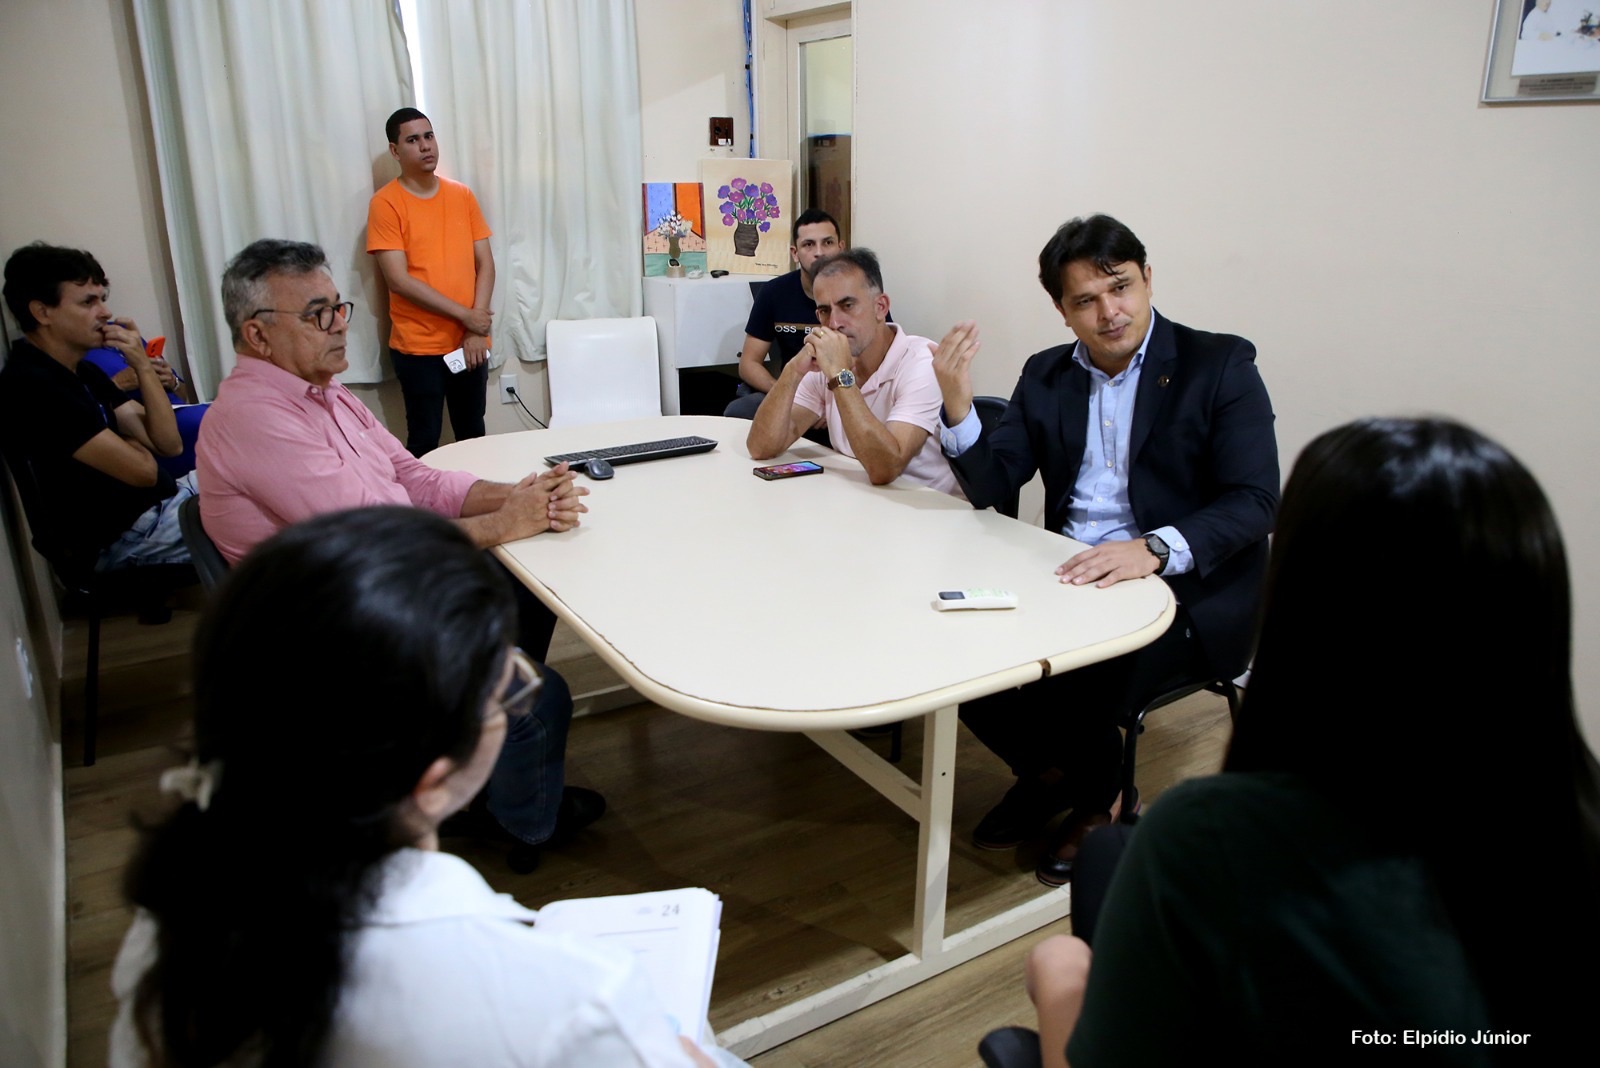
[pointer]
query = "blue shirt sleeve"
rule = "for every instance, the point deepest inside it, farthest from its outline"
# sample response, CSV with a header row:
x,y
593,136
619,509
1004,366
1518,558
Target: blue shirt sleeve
x,y
957,439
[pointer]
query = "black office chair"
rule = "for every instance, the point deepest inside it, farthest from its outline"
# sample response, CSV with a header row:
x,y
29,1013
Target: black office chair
x,y
990,411
209,563
1132,724
94,595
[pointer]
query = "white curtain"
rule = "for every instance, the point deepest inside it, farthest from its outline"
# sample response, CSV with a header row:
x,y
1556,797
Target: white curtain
x,y
268,122
536,106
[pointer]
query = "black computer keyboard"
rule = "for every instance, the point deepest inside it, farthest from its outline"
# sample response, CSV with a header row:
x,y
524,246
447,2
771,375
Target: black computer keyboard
x,y
617,455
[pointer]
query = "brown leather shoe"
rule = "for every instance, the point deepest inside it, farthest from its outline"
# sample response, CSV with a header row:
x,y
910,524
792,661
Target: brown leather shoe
x,y
1055,863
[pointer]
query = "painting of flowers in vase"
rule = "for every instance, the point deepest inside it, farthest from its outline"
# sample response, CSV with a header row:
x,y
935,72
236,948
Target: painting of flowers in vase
x,y
674,230
749,206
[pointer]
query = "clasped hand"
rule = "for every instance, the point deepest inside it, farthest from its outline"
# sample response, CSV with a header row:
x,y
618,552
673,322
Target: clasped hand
x,y
825,350
550,500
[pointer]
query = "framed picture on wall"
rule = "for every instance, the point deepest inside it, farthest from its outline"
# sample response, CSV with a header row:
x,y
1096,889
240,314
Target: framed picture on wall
x,y
749,207
674,230
1541,50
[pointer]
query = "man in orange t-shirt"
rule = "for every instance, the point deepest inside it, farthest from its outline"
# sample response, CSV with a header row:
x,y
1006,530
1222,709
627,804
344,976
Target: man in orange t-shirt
x,y
432,246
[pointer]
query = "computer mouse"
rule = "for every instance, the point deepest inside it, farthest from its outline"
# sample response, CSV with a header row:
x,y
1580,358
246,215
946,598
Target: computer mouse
x,y
598,469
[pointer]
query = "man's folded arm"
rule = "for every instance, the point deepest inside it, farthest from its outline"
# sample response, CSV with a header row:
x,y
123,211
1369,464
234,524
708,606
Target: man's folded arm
x,y
786,414
115,456
392,265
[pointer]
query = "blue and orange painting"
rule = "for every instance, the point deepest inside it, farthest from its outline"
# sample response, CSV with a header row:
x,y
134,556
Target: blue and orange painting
x,y
662,200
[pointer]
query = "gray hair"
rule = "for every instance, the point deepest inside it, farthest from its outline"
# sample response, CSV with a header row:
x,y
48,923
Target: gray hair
x,y
861,258
244,283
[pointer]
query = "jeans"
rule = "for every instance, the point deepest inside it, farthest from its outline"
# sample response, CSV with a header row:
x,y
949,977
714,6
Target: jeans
x,y
745,404
155,537
427,384
524,791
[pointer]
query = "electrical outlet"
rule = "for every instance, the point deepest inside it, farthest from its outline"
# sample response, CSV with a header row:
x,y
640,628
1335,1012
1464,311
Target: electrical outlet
x,y
508,386
722,132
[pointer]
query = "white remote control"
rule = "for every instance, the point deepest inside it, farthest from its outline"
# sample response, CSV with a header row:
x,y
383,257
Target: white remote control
x,y
968,600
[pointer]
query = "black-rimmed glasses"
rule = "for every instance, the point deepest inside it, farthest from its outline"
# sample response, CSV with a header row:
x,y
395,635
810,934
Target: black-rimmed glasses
x,y
322,316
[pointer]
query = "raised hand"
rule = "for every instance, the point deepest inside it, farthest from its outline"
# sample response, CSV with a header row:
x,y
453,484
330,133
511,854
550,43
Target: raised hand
x,y
952,366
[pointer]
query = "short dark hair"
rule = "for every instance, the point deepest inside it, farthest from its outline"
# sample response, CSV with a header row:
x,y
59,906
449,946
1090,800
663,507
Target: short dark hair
x,y
399,119
37,272
811,217
244,281
1099,239
412,626
861,258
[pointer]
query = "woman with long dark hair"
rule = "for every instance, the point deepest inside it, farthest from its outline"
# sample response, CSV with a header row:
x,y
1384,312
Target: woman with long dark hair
x,y
353,683
1404,846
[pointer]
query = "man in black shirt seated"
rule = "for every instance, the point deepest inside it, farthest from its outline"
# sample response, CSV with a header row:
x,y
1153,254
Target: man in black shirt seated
x,y
91,448
783,313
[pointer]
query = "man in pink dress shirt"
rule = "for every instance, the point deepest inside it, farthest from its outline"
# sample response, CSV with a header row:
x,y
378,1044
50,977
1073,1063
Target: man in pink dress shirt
x,y
284,442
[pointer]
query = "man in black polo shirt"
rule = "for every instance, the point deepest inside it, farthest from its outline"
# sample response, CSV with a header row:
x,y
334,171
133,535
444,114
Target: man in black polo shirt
x,y
91,448
783,313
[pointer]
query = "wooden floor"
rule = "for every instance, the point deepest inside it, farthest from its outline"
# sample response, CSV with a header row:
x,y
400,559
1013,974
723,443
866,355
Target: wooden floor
x,y
815,870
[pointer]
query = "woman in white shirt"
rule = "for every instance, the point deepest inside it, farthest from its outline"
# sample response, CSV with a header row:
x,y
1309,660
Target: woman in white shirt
x,y
354,680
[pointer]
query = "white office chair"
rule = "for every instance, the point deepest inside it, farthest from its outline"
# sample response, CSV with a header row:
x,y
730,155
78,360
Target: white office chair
x,y
602,370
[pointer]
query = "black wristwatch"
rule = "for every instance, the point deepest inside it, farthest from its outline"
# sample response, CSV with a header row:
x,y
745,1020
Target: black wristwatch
x,y
1158,549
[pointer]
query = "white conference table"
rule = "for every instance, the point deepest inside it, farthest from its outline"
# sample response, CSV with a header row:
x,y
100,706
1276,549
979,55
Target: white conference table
x,y
805,605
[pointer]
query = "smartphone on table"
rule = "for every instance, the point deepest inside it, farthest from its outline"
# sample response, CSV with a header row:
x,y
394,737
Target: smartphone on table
x,y
795,470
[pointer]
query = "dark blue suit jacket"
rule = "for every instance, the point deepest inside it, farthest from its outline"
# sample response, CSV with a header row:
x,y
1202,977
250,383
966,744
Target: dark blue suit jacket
x,y
1204,459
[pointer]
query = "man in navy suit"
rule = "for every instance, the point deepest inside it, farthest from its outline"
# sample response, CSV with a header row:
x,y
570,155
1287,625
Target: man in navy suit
x,y
1157,451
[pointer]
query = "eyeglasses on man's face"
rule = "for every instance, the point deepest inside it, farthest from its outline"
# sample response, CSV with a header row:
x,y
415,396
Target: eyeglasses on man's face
x,y
322,316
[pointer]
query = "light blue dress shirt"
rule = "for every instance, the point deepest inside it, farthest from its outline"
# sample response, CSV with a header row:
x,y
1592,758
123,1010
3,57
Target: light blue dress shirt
x,y
1100,509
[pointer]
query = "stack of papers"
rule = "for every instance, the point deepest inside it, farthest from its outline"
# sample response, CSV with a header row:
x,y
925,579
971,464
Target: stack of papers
x,y
673,934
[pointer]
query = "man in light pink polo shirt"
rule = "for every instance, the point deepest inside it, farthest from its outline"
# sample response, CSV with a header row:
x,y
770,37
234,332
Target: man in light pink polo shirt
x,y
866,379
284,442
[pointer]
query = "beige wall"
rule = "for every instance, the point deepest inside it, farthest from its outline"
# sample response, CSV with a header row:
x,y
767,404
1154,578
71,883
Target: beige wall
x,y
81,166
691,69
1318,177
32,858
81,174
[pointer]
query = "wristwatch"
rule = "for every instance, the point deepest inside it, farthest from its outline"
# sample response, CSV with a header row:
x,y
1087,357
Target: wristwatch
x,y
1158,549
845,378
